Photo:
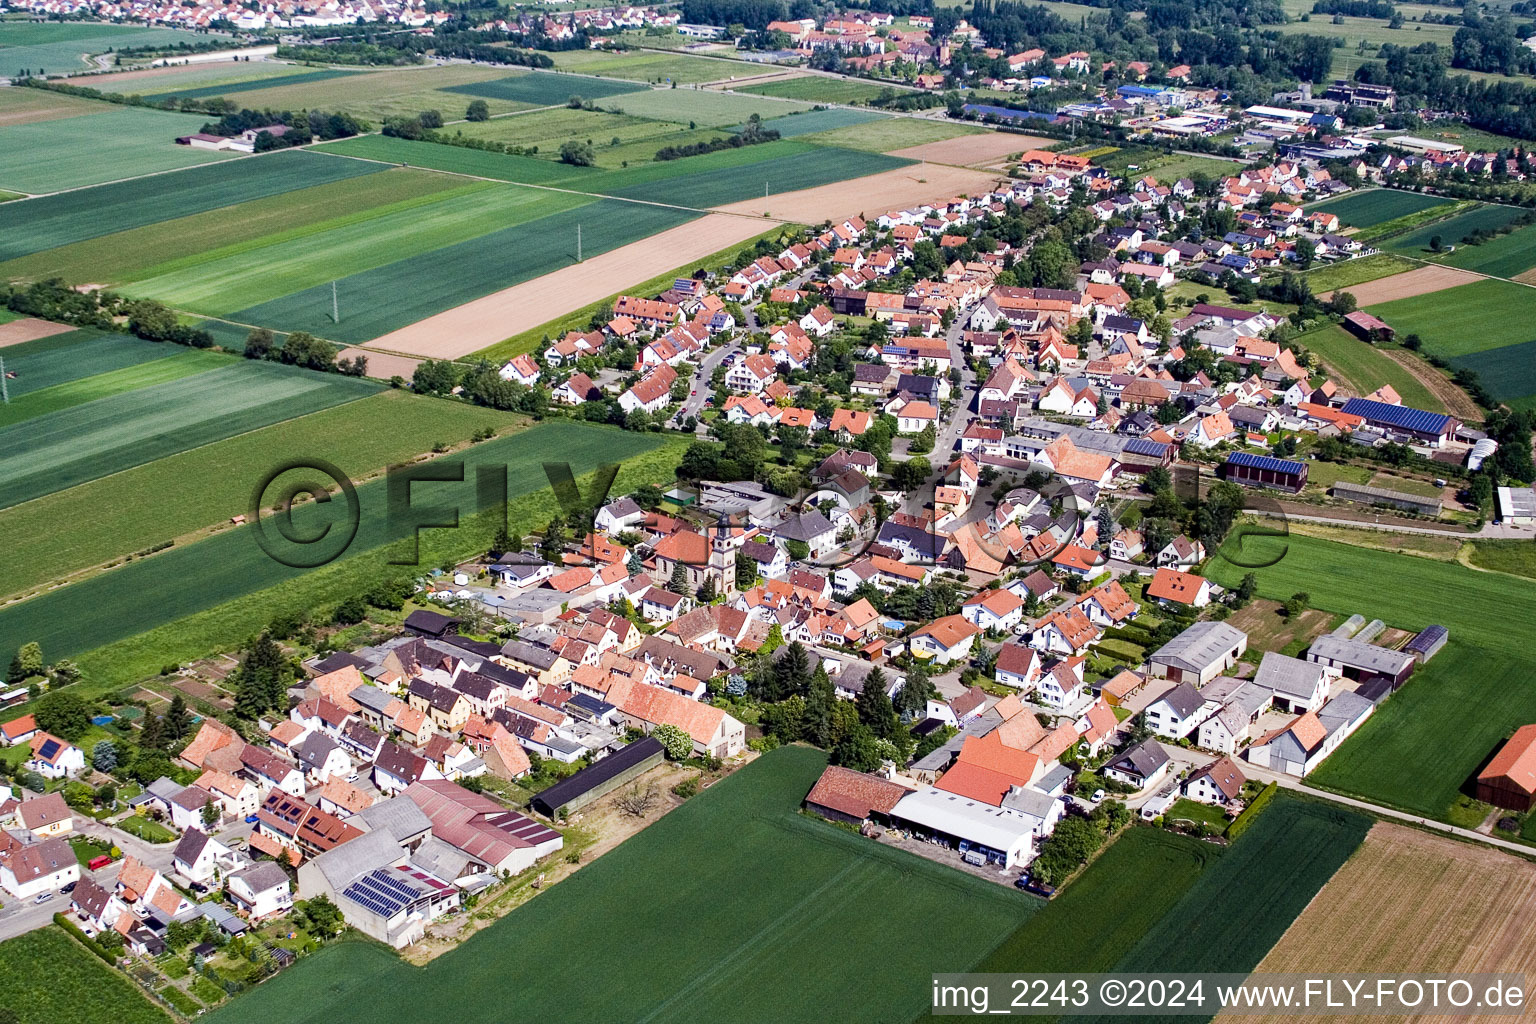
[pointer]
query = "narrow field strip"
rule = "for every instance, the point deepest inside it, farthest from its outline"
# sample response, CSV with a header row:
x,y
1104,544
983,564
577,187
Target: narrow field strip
x,y
73,354
249,85
174,366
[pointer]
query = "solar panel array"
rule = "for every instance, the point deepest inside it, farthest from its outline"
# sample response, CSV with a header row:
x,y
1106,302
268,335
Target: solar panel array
x,y
1400,416
1141,446
381,893
49,749
1267,462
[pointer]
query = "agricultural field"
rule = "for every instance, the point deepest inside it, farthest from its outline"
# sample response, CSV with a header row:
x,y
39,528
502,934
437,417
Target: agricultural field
x,y
799,887
1509,255
149,593
820,89
44,156
1373,31
75,986
656,68
375,95
532,170
1376,206
1420,747
893,133
1512,556
38,224
544,89
1451,232
1325,279
181,79
67,531
637,138
24,106
1364,368
70,446
70,355
1417,904
832,120
174,366
702,106
63,46
294,76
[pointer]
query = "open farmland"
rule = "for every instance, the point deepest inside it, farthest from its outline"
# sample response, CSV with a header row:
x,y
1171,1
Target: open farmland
x,y
25,106
174,365
68,355
75,986
705,181
70,446
659,68
296,76
970,150
176,496
544,89
892,133
1415,903
33,225
1419,748
811,121
1422,280
227,566
1451,232
702,106
457,160
801,887
161,247
126,141
1509,373
1376,206
1349,273
871,195
1363,368
386,298
819,89
377,94
63,46
1508,255
176,79
1471,318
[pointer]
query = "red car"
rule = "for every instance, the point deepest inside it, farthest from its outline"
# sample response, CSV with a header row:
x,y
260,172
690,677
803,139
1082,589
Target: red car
x,y
97,863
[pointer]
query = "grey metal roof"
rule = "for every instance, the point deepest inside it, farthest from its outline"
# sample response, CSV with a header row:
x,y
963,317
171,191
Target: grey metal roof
x,y
398,816
368,851
1029,800
1357,655
372,698
438,858
1346,708
1286,675
1200,646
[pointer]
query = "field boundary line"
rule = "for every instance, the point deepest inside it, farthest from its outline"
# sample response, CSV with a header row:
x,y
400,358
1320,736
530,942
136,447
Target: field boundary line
x,y
152,174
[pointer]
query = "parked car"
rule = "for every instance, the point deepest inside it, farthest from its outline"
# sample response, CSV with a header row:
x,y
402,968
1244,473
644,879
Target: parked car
x,y
1098,795
68,889
97,863
251,819
1027,882
43,897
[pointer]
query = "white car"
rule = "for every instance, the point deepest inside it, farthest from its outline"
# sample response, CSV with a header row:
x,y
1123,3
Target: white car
x,y
1098,795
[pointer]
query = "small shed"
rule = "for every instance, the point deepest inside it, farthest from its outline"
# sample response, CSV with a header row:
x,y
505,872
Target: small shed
x,y
1427,643
601,778
1367,327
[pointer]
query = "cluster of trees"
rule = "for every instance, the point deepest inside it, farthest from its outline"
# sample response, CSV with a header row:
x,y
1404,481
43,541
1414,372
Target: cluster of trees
x,y
1076,839
481,384
303,349
422,127
455,39
1355,8
303,127
262,677
365,53
750,135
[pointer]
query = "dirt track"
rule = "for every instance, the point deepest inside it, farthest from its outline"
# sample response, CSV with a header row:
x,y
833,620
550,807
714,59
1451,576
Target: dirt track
x,y
27,329
1409,902
485,321
1451,396
1420,281
869,196
970,150
382,365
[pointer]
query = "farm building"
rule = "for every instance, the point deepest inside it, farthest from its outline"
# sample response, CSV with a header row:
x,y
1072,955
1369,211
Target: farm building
x,y
1265,471
1301,746
1359,660
1368,495
1517,505
842,794
602,778
1427,643
1369,328
1199,654
1403,423
1509,781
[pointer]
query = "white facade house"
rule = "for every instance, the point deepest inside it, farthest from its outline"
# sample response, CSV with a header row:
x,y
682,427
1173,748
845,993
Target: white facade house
x,y
28,869
261,890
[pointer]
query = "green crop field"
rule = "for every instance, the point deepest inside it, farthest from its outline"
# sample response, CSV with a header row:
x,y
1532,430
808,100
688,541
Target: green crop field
x,y
233,88
767,896
1423,743
26,106
659,68
1509,373
831,120
46,156
1366,368
819,89
704,107
383,299
60,358
247,274
63,46
1461,320
68,447
180,494
73,987
377,94
158,248
1356,271
457,160
36,224
179,79
1374,31
1376,206
1506,255
1452,231
639,138
175,365
185,580
894,133
545,89
1512,556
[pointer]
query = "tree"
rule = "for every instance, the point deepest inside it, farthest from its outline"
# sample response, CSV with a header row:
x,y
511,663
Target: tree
x,y
857,750
798,550
1156,479
791,672
62,673
319,916
210,814
478,110
63,714
874,705
638,800
677,744
177,721
104,756
27,662
817,720
151,735
634,566
260,343
678,584
746,571
552,545
1248,587
261,678
577,154
351,611
911,701
911,474
431,118
706,592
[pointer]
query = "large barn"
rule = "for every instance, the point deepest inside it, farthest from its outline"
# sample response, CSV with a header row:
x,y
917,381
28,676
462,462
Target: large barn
x,y
1265,471
1509,781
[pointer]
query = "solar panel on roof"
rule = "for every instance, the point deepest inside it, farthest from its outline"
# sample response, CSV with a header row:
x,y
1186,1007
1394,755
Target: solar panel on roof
x,y
1141,446
49,748
1265,462
1400,416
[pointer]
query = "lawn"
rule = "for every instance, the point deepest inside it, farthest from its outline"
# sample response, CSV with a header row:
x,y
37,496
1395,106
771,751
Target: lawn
x,y
1194,810
46,977
659,68
890,133
220,281
68,447
1452,232
1517,557
134,510
1461,320
1356,271
544,89
145,594
376,301
819,89
1365,368
46,156
156,248
1376,206
40,224
1423,744
747,929
63,46
176,364
147,830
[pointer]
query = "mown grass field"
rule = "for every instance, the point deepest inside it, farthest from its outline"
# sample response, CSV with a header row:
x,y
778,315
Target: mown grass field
x,y
1366,368
544,89
131,511
1376,206
1421,746
1356,271
704,107
834,120
175,365
657,68
38,224
1452,231
768,893
177,80
185,580
376,301
46,977
45,156
221,281
61,449
819,89
1511,556
62,46
638,138
891,133
158,248
457,160
296,76
25,106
